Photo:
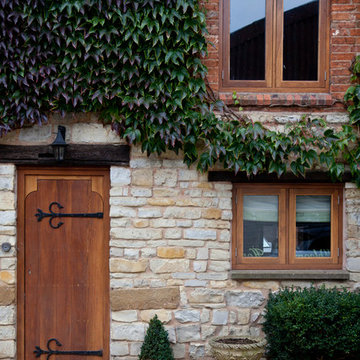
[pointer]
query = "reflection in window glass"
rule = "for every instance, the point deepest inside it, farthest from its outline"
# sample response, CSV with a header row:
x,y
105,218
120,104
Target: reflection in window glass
x,y
260,219
301,33
313,230
247,39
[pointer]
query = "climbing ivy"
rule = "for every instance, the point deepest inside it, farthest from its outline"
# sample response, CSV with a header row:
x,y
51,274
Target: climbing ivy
x,y
137,63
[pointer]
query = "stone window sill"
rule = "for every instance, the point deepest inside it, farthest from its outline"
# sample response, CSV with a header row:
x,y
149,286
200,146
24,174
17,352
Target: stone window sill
x,y
289,275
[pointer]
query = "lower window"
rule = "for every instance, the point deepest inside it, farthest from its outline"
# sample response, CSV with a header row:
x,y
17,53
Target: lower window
x,y
287,226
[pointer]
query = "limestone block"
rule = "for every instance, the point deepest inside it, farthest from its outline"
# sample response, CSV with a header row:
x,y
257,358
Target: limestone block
x,y
120,222
162,223
131,253
7,230
142,177
337,118
156,283
85,133
219,266
205,316
119,348
212,214
212,276
175,164
165,192
165,177
183,276
217,254
147,162
171,252
223,187
186,333
119,191
8,264
220,317
7,276
128,266
136,234
135,348
195,283
7,315
141,223
144,299
119,211
191,193
172,233
121,283
149,213
191,254
127,201
200,234
225,236
148,252
207,331
353,264
7,295
255,331
161,201
128,332
206,296
6,169
169,265
171,333
185,316
7,349
179,351
7,218
7,332
225,204
141,192
243,316
182,213
244,299
184,223
7,183
226,215
188,175
124,316
187,243
163,315
120,176
197,351
271,285
200,266
202,254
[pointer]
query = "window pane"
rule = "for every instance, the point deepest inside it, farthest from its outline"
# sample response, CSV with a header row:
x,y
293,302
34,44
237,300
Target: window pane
x,y
247,39
260,218
301,23
313,226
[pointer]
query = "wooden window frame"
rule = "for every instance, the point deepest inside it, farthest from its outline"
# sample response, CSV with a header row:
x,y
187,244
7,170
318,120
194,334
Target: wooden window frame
x,y
287,227
274,53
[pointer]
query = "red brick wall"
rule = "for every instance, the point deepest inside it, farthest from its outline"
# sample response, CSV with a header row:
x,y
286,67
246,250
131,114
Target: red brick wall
x,y
344,45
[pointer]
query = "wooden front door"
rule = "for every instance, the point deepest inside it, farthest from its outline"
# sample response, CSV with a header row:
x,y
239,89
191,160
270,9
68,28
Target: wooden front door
x,y
63,274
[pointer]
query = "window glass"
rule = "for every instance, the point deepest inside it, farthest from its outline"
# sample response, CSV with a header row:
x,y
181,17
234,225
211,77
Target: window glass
x,y
247,39
260,219
313,226
301,35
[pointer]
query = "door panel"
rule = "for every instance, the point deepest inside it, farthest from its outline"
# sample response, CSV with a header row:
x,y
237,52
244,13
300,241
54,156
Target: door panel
x,y
63,268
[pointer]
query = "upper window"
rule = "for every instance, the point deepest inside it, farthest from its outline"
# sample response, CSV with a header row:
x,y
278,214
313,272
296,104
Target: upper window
x,y
275,45
287,226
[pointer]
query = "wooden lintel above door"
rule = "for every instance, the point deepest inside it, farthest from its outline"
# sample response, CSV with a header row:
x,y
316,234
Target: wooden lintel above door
x,y
75,155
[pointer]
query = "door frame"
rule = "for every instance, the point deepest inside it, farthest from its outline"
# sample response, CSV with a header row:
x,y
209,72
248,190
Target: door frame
x,y
20,247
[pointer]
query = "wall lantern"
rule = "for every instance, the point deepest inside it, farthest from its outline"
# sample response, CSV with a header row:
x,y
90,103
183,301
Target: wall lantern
x,y
59,144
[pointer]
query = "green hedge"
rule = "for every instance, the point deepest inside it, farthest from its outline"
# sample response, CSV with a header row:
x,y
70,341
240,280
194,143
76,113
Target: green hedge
x,y
314,323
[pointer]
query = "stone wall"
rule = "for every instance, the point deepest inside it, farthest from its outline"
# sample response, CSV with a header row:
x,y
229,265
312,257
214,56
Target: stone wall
x,y
169,247
7,262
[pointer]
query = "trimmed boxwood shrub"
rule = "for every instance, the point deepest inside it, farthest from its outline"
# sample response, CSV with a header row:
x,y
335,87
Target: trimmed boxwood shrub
x,y
313,323
156,344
